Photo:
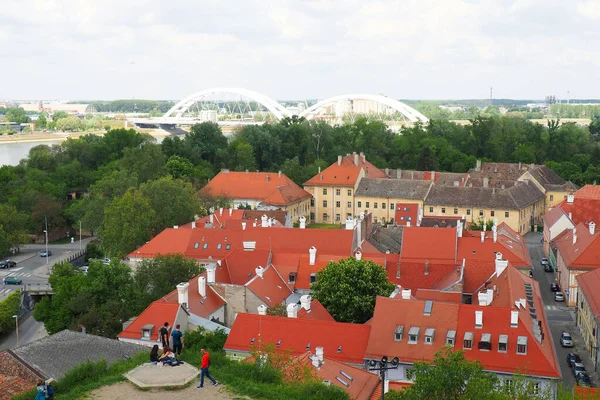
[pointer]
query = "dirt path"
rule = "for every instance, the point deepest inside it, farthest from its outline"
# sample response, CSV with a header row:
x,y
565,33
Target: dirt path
x,y
126,391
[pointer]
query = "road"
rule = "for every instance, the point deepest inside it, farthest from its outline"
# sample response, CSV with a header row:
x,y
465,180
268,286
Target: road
x,y
30,330
560,317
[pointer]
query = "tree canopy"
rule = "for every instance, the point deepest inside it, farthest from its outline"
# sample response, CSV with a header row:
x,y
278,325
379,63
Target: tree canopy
x,y
348,289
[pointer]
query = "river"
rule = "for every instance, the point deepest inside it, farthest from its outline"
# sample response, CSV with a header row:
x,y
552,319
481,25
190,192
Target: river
x,y
12,153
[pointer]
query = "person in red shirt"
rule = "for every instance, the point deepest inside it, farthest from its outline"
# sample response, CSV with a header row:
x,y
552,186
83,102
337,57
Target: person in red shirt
x,y
204,369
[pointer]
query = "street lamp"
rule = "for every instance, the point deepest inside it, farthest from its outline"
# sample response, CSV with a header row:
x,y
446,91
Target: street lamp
x,y
383,366
46,232
16,317
79,234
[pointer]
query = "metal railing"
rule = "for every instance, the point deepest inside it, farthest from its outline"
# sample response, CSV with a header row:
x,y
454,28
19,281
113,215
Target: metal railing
x,y
37,288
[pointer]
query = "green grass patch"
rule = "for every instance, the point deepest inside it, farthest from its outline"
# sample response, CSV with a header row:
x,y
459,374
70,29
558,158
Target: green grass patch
x,y
324,226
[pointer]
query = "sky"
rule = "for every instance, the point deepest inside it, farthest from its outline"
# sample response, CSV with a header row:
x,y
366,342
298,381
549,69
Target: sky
x,y
299,49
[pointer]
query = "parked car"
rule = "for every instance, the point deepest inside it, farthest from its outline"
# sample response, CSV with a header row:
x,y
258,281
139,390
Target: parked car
x,y
554,287
531,272
11,280
566,340
583,379
43,253
577,368
7,264
573,358
545,261
105,261
548,268
558,296
84,269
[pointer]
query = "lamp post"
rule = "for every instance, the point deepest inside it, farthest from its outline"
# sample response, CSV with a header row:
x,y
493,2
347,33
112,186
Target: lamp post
x,y
383,366
46,233
79,234
16,317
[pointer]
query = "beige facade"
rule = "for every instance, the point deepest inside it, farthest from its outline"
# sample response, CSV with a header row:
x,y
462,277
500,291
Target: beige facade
x,y
332,204
554,198
382,209
588,325
298,209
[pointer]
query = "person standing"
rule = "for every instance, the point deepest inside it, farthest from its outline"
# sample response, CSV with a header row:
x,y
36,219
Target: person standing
x,y
164,335
204,369
177,336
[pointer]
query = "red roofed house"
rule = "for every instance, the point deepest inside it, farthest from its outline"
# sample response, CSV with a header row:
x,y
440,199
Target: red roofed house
x,y
342,342
588,312
505,330
408,214
260,190
333,189
577,251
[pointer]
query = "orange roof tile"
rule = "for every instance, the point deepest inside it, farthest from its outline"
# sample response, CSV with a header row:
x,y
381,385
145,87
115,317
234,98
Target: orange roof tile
x,y
198,305
359,386
155,314
406,212
552,216
412,274
588,192
270,288
341,341
317,311
418,242
470,247
581,210
437,295
588,285
272,188
585,253
346,172
585,393
477,272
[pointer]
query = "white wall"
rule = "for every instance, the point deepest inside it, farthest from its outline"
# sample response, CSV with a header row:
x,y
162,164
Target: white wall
x,y
563,223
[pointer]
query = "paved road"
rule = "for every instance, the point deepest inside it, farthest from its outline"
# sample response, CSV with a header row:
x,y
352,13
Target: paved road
x,y
560,317
30,330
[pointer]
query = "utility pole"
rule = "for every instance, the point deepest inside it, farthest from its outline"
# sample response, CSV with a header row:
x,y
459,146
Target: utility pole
x,y
79,234
46,232
16,317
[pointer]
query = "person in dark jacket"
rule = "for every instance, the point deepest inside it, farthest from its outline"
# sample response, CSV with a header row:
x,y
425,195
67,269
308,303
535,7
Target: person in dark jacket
x,y
154,354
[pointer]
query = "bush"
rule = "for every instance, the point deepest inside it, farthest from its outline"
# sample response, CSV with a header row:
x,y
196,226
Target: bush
x,y
93,251
9,307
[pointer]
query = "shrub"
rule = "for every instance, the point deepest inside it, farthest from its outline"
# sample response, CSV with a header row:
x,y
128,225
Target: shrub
x,y
9,307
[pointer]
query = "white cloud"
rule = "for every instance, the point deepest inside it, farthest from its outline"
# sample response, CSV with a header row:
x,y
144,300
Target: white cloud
x,y
589,9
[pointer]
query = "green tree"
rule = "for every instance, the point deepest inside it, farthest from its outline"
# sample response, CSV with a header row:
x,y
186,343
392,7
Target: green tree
x,y
13,228
277,310
9,307
348,288
17,115
242,157
204,142
147,161
41,122
70,123
159,276
127,224
59,115
179,167
427,160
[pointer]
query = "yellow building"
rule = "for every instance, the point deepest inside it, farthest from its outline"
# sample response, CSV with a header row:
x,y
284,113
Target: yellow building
x,y
588,312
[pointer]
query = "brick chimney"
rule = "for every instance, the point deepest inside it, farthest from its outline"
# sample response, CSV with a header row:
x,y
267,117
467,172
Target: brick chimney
x,y
292,310
312,253
193,224
486,182
221,211
230,211
279,174
362,155
459,228
202,286
305,302
355,158
182,294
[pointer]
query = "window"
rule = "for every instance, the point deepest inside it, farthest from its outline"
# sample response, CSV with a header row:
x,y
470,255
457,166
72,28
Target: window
x,y
503,343
481,213
337,217
325,191
429,333
468,341
359,204
337,204
522,345
391,206
468,212
228,246
506,214
551,197
450,337
196,245
492,213
325,216
455,211
337,192
312,202
292,277
205,246
430,209
349,204
383,205
443,210
349,192
408,218
324,203
219,246
413,334
375,204
485,344
312,216
399,333
366,204
313,277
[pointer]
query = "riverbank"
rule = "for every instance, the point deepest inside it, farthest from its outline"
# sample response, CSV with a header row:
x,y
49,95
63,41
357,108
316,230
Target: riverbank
x,y
62,136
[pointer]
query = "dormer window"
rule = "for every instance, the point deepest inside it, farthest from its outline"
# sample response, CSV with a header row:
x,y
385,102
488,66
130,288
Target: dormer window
x,y
292,277
228,246
522,345
147,331
429,333
503,344
468,341
196,245
219,246
205,246
413,334
313,278
451,337
399,333
485,343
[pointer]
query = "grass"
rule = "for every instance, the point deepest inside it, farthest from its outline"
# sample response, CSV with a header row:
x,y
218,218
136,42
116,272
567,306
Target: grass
x,y
324,226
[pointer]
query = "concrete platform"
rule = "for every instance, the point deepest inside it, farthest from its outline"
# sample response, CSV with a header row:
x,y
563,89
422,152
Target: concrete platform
x,y
149,375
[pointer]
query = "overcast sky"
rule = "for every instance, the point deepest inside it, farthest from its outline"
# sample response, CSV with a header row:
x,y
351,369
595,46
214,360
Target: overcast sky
x,y
299,49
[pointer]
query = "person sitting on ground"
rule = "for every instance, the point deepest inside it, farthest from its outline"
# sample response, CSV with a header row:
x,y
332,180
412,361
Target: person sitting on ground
x,y
166,356
154,354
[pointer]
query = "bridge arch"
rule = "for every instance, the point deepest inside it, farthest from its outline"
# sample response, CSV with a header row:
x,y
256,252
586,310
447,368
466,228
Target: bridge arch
x,y
182,106
408,112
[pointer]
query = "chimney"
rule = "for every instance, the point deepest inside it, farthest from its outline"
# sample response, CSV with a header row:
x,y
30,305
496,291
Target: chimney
x,y
482,298
211,219
305,302
303,222
243,225
459,228
202,286
210,273
182,294
501,264
319,353
339,160
486,182
406,294
221,211
495,232
83,330
320,170
519,165
478,166
482,236
426,267
193,224
349,223
570,199
312,252
292,310
246,171
175,226
478,318
571,216
279,174
408,224
592,227
433,175
264,221
355,159
268,178
514,318
387,171
362,155
358,255
262,310
574,235
259,271
230,211
255,222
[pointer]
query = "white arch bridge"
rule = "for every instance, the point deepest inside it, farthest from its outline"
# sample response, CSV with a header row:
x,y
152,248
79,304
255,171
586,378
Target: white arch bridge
x,y
235,106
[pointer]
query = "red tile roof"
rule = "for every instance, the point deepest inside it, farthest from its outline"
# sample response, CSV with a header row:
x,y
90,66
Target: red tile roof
x,y
585,253
317,312
477,272
471,248
198,305
155,314
241,265
417,243
582,210
412,274
586,393
360,386
346,173
268,187
270,288
296,334
588,285
406,212
588,192
437,295
552,216
15,377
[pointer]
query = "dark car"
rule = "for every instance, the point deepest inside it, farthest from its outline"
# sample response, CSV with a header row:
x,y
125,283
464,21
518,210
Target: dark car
x,y
573,358
11,280
554,287
548,268
583,379
7,264
45,253
577,368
